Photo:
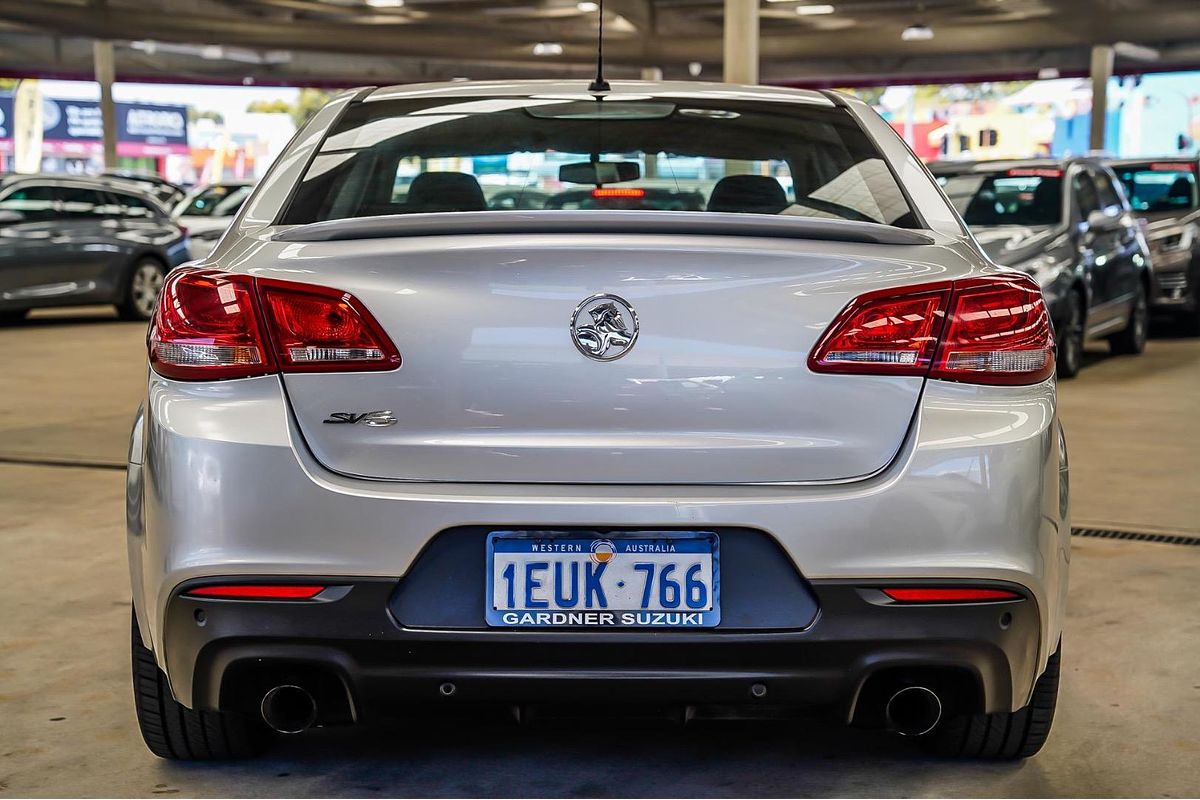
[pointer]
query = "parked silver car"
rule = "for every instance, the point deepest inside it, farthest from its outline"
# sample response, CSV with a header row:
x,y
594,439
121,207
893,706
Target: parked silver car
x,y
799,449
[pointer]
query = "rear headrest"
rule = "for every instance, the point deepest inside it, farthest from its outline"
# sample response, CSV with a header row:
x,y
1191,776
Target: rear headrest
x,y
445,191
1180,187
1046,197
748,194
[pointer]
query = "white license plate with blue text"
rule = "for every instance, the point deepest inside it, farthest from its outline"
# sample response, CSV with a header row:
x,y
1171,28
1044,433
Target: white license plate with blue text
x,y
651,579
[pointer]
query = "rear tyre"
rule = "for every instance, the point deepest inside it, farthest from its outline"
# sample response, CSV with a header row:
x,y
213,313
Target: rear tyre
x,y
1132,340
174,732
1069,337
1007,735
141,289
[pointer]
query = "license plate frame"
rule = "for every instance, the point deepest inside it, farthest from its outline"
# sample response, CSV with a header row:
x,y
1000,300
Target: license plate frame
x,y
640,541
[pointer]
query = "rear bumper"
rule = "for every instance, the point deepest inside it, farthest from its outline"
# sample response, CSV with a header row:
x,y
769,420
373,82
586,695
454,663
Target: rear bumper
x,y
221,484
242,649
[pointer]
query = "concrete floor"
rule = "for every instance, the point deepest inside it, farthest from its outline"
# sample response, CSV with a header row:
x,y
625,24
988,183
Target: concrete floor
x,y
1128,713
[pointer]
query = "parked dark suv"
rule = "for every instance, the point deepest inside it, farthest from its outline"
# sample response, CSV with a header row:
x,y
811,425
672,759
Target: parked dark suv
x,y
1068,224
1163,192
75,241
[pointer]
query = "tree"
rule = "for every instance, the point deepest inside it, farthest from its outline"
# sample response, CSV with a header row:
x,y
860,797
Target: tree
x,y
195,114
871,95
269,107
308,103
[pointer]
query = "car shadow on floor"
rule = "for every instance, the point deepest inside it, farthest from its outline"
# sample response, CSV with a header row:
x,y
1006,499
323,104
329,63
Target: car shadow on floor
x,y
582,758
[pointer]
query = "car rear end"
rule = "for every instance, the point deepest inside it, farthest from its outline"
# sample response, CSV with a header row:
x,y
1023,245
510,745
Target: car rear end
x,y
796,451
1164,195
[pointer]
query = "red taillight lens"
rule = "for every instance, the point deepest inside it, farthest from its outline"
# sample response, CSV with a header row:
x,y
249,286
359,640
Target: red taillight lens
x,y
925,595
885,331
206,327
257,592
316,329
993,330
998,331
211,325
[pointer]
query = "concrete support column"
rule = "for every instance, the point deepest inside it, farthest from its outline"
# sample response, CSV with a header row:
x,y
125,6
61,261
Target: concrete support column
x,y
102,56
651,168
741,41
1102,69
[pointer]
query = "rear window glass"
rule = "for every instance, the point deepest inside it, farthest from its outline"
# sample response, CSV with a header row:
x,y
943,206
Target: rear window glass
x,y
1159,187
1006,199
554,154
216,201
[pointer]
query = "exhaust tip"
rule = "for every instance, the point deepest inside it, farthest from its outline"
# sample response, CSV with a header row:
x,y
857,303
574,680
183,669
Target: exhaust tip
x,y
913,711
288,709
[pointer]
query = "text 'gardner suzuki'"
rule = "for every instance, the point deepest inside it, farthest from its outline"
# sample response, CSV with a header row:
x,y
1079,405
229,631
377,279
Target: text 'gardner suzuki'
x,y
518,394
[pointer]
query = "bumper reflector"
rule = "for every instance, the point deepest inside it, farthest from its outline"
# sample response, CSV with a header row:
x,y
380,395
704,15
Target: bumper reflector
x,y
256,592
914,595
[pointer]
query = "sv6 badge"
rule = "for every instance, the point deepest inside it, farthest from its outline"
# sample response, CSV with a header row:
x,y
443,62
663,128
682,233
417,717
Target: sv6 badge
x,y
373,419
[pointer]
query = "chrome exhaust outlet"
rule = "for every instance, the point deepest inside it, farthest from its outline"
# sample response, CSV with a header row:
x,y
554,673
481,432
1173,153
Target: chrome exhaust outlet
x,y
913,711
288,709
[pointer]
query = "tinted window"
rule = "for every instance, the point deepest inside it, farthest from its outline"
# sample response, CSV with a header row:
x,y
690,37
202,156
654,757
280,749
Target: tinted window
x,y
216,201
77,202
441,155
1167,186
1018,197
132,206
1110,201
1086,196
33,202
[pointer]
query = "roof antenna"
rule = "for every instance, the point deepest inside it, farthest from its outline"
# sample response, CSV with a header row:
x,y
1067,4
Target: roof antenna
x,y
600,85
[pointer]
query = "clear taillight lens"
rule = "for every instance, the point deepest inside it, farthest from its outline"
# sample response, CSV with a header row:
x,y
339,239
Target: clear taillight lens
x,y
207,327
211,325
994,329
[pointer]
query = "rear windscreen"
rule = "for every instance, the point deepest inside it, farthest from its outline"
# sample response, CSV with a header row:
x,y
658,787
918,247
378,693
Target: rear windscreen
x,y
660,154
1159,187
1019,197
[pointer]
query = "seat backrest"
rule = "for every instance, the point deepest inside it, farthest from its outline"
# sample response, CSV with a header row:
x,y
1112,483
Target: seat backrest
x,y
748,194
1181,188
445,191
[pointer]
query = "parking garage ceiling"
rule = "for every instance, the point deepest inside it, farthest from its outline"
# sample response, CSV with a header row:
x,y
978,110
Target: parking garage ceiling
x,y
347,42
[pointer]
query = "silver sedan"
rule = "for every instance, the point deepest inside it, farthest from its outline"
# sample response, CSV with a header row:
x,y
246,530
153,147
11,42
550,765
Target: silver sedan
x,y
739,417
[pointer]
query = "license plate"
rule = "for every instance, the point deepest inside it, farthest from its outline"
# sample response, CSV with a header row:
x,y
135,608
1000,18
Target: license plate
x,y
651,579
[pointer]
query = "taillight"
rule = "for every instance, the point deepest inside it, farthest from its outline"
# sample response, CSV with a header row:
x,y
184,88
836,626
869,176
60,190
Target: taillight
x,y
207,327
212,325
317,329
998,331
993,329
884,331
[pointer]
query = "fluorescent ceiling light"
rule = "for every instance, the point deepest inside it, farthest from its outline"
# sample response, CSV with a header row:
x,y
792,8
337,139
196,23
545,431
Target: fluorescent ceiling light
x,y
385,3
587,6
548,49
917,33
813,10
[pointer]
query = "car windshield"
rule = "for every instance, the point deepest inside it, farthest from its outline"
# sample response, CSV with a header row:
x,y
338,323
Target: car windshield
x,y
660,154
1153,187
1015,197
216,201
